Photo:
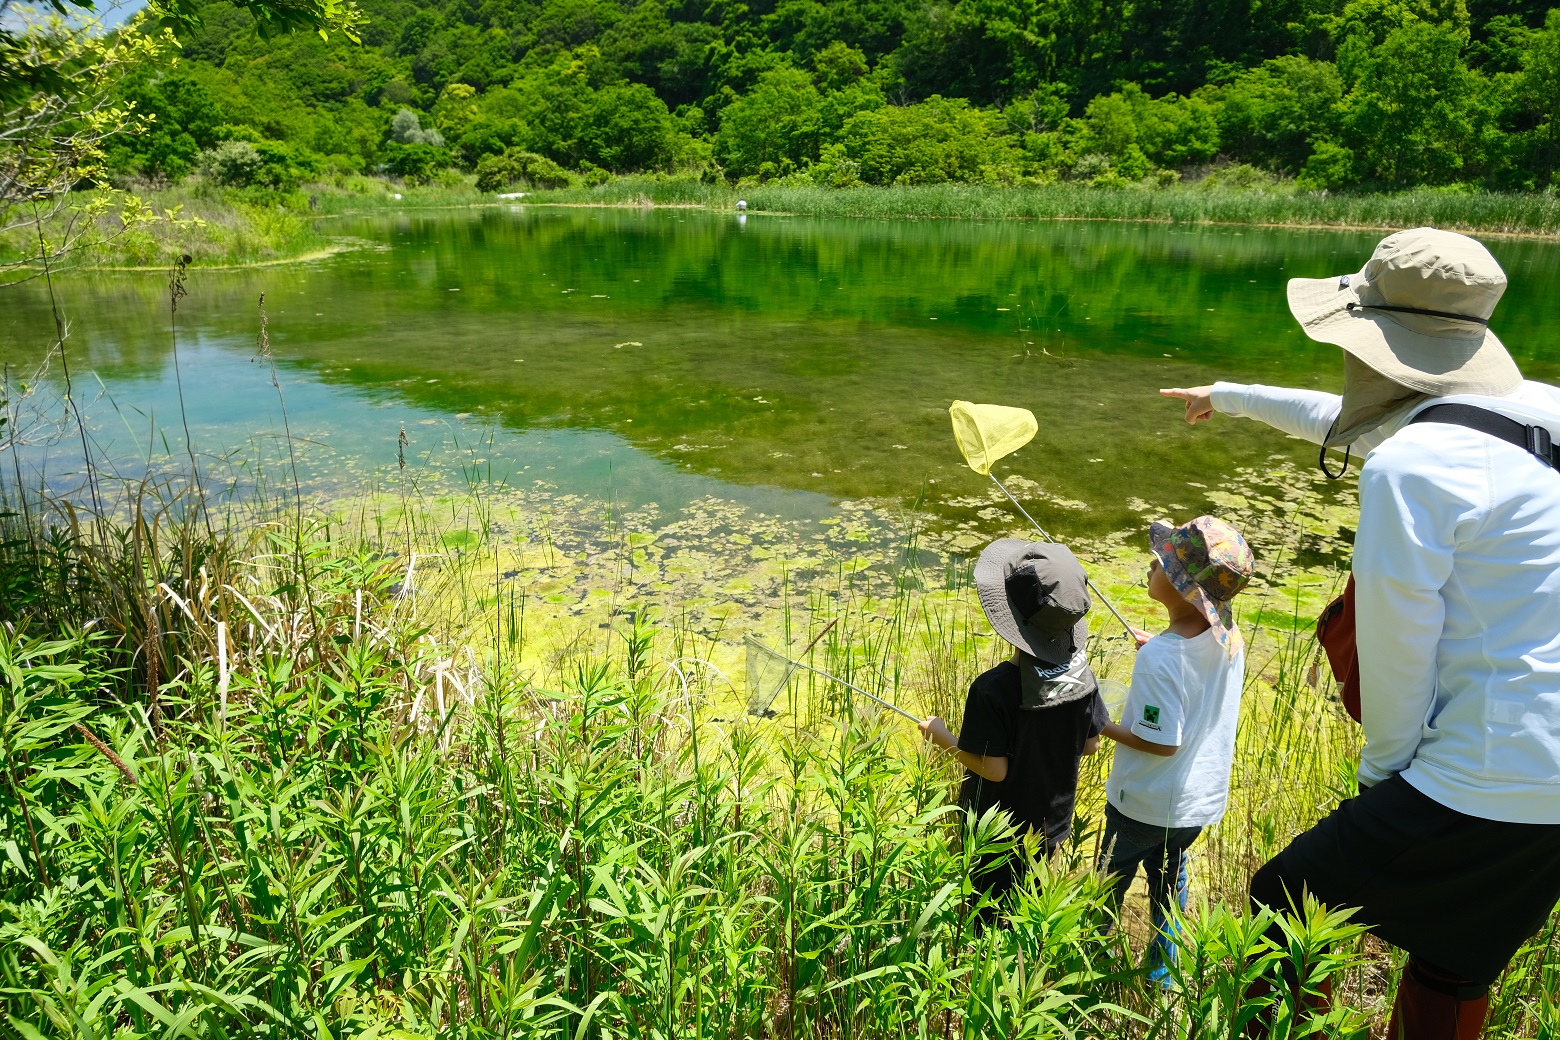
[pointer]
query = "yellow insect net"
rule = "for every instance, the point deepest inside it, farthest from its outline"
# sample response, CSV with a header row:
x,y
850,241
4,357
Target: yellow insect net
x,y
987,432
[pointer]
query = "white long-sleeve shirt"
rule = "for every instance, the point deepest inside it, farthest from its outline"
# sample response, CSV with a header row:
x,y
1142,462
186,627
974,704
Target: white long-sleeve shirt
x,y
1457,585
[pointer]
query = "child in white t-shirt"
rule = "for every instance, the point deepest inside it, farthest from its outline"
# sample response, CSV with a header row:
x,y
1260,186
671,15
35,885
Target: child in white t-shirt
x,y
1176,739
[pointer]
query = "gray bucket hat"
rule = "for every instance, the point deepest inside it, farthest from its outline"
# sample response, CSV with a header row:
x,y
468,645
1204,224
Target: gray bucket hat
x,y
1036,596
1418,313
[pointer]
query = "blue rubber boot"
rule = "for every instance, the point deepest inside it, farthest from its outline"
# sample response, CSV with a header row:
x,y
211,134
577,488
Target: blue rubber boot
x,y
1164,952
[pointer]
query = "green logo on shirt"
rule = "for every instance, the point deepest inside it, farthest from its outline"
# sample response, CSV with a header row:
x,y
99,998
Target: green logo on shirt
x,y
1151,714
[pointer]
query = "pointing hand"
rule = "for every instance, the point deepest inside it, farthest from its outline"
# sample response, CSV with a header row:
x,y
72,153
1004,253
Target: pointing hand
x,y
1199,401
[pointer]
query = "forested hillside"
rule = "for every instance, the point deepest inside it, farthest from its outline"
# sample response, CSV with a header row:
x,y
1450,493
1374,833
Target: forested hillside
x,y
1366,94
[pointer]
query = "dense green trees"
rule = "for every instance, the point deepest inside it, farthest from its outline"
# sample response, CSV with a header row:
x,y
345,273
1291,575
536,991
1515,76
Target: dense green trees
x,y
1275,114
1376,94
939,139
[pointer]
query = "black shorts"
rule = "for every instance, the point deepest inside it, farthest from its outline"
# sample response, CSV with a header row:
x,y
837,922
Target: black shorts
x,y
1459,892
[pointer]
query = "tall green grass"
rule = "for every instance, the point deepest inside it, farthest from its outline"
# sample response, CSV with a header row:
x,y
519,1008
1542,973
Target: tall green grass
x,y
292,782
1489,212
212,228
291,772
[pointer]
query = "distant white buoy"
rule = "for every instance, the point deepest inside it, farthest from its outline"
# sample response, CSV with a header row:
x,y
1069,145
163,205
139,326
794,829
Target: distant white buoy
x,y
742,205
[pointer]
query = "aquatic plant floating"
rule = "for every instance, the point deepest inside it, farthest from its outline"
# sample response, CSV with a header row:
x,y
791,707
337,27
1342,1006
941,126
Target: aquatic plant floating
x,y
987,433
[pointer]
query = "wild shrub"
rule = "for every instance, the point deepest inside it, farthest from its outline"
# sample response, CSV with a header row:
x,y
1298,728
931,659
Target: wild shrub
x,y
1136,130
515,166
777,124
406,128
1416,113
268,165
940,139
629,130
232,164
415,163
1277,114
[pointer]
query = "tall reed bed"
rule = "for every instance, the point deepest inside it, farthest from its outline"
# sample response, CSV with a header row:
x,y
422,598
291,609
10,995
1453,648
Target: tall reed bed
x,y
292,784
1489,212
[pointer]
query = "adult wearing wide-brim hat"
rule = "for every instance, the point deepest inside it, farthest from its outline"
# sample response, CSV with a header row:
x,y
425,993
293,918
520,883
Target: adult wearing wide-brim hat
x,y
1451,851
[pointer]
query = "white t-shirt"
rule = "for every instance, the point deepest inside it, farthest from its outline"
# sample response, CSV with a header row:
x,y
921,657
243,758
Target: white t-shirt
x,y
1185,694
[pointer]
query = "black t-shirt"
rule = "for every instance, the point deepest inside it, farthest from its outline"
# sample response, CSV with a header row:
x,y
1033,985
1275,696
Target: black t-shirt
x,y
1042,747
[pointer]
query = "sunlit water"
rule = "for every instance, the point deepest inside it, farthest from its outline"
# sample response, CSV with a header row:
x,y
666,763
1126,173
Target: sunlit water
x,y
668,356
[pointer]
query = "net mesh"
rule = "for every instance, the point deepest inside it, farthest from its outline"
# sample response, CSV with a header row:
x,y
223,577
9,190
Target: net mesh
x,y
1114,693
987,432
768,673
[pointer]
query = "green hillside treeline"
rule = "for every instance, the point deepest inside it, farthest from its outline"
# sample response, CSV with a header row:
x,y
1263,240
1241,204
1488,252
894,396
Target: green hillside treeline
x,y
1363,94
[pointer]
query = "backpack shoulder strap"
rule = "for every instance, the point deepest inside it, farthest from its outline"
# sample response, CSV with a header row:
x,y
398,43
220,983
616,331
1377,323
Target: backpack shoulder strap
x,y
1535,440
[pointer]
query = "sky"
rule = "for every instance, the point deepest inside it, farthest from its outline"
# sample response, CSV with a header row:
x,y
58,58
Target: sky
x,y
111,15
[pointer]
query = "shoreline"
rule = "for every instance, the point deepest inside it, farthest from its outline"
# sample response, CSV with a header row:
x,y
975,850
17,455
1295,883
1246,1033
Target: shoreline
x,y
1514,217
335,249
1266,226
302,258
1483,213
551,199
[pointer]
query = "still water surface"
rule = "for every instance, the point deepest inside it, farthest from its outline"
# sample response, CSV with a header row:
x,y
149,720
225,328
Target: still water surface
x,y
781,363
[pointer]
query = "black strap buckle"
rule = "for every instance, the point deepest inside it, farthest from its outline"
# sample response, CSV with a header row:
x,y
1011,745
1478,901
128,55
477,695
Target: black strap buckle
x,y
1542,445
1535,440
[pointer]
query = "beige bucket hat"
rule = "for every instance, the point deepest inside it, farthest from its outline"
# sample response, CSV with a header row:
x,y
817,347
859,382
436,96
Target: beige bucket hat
x,y
1418,313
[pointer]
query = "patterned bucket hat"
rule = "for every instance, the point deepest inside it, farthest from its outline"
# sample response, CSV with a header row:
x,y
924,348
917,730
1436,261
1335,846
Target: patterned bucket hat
x,y
1208,562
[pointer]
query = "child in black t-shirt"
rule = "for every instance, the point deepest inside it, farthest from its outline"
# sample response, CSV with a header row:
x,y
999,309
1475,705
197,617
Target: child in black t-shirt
x,y
1030,720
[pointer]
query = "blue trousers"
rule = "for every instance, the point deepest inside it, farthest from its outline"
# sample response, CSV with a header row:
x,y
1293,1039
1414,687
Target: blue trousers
x,y
1161,852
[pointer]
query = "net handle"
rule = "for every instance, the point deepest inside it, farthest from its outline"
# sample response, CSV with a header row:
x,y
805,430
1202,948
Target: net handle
x,y
1103,598
794,664
817,638
852,686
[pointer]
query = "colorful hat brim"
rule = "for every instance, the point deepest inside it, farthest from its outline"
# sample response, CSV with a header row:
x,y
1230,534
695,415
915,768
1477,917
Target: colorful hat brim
x,y
1220,617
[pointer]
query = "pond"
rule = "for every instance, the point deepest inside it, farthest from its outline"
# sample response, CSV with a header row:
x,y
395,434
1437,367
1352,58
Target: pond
x,y
664,356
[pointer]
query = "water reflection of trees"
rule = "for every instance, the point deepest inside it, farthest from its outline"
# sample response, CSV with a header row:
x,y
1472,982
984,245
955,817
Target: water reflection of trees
x,y
800,353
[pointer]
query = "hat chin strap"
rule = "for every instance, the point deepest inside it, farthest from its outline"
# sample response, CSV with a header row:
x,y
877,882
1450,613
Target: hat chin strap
x,y
1418,310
